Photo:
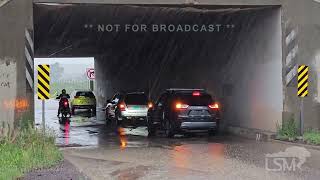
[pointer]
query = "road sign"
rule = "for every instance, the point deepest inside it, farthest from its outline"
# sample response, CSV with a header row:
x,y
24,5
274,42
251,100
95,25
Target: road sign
x,y
43,81
303,75
90,73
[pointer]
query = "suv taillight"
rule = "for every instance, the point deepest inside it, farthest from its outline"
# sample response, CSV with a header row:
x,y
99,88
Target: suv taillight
x,y
214,106
196,93
122,107
150,105
181,106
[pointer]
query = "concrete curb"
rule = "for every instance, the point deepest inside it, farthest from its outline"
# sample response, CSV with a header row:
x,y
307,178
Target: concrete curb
x,y
261,135
308,146
256,134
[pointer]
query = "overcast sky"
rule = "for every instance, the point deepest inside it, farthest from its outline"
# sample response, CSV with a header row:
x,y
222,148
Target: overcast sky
x,y
72,66
81,61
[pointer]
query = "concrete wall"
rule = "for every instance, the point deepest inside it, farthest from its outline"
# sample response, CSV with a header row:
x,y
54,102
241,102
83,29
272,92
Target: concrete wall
x,y
297,15
303,18
247,59
15,16
254,74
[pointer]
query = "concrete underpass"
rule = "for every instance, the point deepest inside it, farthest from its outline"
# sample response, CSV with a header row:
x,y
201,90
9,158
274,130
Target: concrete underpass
x,y
245,53
239,62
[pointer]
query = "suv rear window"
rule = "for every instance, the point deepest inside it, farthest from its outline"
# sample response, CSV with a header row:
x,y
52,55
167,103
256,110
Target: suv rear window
x,y
202,100
85,94
136,99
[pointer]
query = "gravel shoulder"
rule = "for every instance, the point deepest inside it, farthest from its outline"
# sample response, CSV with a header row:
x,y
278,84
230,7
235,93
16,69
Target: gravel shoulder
x,y
63,171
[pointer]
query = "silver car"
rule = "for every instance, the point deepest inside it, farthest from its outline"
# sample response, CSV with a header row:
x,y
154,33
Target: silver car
x,y
129,108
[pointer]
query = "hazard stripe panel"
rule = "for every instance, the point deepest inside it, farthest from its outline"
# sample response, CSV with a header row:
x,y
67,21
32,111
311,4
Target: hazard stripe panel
x,y
303,76
43,81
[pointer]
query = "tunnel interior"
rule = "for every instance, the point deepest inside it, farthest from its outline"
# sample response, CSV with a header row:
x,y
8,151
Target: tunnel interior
x,y
235,53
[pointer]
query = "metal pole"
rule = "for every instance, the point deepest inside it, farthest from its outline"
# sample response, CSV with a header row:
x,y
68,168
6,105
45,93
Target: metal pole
x,y
301,117
91,85
43,116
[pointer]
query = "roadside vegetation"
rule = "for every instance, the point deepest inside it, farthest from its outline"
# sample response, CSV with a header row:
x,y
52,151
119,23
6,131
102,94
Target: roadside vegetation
x,y
70,86
288,131
26,150
312,137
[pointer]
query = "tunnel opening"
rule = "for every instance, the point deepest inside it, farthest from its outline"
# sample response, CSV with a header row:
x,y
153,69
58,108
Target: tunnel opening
x,y
65,73
234,52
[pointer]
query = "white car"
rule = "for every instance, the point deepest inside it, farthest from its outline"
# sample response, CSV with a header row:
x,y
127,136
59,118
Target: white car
x,y
130,108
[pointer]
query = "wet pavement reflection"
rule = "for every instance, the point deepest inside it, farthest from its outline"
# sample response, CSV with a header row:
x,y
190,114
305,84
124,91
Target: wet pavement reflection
x,y
127,153
87,129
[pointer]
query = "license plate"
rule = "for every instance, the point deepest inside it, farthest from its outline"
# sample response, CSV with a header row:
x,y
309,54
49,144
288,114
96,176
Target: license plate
x,y
198,113
135,107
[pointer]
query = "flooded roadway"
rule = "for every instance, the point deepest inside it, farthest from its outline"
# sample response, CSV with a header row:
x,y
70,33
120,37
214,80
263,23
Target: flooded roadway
x,y
106,152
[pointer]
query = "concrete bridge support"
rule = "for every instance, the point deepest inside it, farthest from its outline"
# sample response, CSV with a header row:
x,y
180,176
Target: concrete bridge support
x,y
16,94
300,44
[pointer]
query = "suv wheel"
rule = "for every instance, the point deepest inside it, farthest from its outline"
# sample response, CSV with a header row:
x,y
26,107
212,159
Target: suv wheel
x,y
151,128
108,118
118,122
169,129
212,132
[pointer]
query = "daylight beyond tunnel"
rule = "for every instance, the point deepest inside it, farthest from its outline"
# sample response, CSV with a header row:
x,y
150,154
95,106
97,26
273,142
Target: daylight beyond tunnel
x,y
234,53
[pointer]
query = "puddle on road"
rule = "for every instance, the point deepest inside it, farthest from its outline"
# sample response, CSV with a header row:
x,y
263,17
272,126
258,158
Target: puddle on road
x,y
131,173
213,153
85,130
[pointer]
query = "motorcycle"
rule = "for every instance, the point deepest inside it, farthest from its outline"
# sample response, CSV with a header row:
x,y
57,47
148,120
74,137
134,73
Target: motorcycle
x,y
64,110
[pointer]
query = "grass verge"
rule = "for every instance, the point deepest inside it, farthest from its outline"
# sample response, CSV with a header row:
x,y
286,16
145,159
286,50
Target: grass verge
x,y
312,137
288,131
27,150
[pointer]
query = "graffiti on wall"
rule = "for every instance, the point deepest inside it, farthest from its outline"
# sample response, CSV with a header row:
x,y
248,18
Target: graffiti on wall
x,y
4,80
7,74
18,104
8,79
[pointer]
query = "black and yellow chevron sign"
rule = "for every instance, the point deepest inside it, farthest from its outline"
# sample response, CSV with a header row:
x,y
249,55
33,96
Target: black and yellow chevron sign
x,y
43,81
303,75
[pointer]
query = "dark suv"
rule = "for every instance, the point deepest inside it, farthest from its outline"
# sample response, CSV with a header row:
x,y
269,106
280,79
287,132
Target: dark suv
x,y
184,110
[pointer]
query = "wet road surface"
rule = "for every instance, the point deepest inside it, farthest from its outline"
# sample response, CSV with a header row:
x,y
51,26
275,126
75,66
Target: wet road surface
x,y
104,152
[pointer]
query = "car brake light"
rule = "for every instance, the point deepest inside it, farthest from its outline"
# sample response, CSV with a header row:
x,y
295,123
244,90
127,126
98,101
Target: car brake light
x,y
181,106
122,107
214,106
150,105
196,93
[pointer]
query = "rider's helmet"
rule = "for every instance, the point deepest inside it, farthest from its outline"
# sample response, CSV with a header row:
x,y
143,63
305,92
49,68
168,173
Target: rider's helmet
x,y
64,91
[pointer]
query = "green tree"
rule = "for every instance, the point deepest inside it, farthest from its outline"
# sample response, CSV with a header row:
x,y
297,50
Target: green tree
x,y
56,72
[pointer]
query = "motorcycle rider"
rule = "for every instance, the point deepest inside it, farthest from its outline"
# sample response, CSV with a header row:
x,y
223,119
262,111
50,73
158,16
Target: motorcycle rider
x,y
62,96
